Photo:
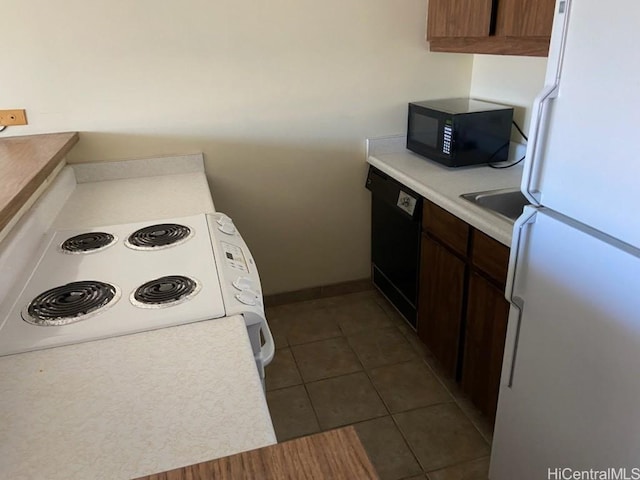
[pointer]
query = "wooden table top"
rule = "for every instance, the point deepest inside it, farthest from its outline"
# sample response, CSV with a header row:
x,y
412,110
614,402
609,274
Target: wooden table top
x,y
336,454
25,163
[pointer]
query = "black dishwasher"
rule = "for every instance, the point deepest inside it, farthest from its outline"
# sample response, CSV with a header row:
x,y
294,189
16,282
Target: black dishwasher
x,y
396,217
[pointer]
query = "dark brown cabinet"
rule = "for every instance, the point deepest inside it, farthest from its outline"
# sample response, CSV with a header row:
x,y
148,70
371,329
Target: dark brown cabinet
x,y
443,276
450,18
525,18
486,323
485,331
462,313
442,279
503,27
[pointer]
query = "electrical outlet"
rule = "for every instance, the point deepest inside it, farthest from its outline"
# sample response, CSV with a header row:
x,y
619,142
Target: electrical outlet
x,y
13,117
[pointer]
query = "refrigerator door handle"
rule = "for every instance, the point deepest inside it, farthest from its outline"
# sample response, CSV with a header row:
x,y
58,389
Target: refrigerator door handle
x,y
528,217
548,93
529,174
510,361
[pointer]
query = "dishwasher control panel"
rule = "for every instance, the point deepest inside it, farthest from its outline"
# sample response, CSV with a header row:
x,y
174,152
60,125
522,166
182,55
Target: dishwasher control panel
x,y
406,202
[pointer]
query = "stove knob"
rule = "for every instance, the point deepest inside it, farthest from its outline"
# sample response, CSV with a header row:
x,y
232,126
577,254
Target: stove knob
x,y
228,228
247,297
224,219
243,283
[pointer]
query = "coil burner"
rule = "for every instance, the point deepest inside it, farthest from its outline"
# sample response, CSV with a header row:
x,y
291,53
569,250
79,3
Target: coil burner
x,y
70,303
88,242
165,291
159,236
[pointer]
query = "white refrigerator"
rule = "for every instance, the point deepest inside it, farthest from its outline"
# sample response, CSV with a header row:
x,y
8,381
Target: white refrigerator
x,y
570,389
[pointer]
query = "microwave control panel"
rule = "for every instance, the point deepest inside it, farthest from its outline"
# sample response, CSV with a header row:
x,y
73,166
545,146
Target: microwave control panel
x,y
446,139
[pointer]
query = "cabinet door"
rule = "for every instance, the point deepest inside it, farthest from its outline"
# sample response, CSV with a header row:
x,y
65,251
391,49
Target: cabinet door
x,y
503,27
525,18
490,256
446,227
459,18
442,279
486,328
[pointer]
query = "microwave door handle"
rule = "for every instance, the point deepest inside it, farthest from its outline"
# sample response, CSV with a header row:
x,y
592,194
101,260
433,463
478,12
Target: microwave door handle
x,y
548,93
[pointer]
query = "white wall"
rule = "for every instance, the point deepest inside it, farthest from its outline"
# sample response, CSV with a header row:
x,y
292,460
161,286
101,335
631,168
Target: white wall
x,y
278,94
512,80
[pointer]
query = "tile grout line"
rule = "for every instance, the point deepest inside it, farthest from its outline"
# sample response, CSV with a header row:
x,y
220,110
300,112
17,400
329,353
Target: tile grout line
x,y
405,333
315,341
418,359
344,335
455,400
304,384
352,373
387,408
465,462
449,392
404,438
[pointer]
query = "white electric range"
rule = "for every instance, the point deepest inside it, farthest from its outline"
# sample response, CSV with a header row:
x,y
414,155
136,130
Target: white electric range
x,y
110,399
115,280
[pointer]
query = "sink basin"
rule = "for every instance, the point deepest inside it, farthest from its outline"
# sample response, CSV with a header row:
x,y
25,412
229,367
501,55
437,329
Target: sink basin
x,y
508,203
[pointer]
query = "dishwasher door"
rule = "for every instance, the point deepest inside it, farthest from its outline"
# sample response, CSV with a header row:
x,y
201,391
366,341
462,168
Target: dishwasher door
x,y
396,214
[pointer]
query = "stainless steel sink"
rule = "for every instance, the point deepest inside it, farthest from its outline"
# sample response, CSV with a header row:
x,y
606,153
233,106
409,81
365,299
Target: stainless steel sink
x,y
508,203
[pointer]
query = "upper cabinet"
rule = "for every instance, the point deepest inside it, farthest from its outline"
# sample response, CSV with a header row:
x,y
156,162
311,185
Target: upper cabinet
x,y
525,18
459,18
502,27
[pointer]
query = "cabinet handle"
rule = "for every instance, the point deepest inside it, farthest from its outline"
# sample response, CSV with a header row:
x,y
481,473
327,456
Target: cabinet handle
x,y
528,217
548,93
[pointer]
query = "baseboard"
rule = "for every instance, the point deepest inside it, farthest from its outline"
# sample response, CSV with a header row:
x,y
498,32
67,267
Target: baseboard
x,y
314,293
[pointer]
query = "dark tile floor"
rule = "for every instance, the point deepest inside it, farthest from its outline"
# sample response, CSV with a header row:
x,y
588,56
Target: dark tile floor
x,y
351,360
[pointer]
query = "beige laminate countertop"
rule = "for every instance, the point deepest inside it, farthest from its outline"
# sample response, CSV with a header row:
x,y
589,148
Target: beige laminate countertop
x,y
128,406
25,162
129,191
444,186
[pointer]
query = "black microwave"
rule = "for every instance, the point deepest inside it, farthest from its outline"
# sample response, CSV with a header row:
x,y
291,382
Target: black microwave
x,y
459,131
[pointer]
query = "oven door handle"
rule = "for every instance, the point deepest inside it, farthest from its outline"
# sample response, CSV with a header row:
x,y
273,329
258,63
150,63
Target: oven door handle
x,y
268,349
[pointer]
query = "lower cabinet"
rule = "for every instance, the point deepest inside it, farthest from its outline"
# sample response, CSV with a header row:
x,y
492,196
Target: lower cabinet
x,y
462,313
442,283
485,331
